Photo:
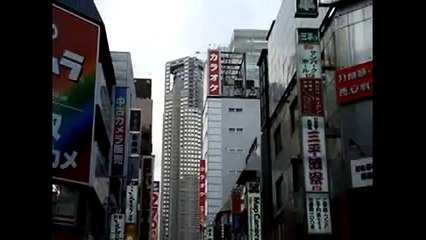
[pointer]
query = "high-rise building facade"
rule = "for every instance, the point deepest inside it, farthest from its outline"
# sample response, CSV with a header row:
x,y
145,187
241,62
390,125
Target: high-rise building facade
x,y
181,149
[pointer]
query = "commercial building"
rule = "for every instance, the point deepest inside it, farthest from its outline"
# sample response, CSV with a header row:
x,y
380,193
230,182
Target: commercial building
x,y
181,149
345,41
81,193
231,116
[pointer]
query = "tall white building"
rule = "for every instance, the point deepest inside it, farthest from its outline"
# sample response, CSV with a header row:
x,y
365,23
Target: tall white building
x,y
181,149
231,118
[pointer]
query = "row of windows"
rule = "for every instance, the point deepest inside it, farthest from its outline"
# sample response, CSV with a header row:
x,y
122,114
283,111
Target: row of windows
x,y
235,109
235,129
235,150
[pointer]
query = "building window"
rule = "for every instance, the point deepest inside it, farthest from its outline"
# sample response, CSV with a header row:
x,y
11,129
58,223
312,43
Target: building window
x,y
278,140
231,109
279,192
231,129
238,110
239,129
293,109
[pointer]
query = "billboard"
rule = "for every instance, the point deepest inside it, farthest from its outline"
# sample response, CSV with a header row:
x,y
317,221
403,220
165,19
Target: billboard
x,y
202,193
131,203
119,150
362,172
354,83
74,70
147,172
254,211
117,227
214,72
155,205
318,213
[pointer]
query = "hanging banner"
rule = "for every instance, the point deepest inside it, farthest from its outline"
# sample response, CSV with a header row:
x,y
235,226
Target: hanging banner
x,y
131,203
214,72
318,213
117,227
74,71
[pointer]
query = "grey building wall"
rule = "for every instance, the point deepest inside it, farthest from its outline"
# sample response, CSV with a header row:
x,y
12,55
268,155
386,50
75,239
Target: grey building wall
x,y
228,134
181,149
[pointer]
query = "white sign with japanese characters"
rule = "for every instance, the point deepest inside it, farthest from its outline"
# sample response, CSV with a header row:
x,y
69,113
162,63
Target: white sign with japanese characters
x,y
117,227
318,213
362,172
309,62
254,212
314,154
131,203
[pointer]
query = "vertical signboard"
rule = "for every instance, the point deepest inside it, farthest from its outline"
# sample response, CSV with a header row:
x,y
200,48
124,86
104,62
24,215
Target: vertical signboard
x,y
117,227
362,172
306,8
74,67
254,211
214,72
119,135
313,142
131,203
202,193
318,213
147,164
155,204
309,77
354,83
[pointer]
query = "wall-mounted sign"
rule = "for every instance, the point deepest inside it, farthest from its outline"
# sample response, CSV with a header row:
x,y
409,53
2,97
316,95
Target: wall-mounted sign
x,y
354,83
119,149
214,72
362,172
254,211
135,120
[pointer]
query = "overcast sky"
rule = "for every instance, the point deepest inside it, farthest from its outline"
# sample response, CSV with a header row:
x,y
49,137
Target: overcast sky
x,y
157,31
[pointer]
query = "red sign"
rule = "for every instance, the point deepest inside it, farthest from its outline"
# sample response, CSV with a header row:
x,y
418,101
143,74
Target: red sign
x,y
354,83
311,97
202,195
214,72
74,64
154,222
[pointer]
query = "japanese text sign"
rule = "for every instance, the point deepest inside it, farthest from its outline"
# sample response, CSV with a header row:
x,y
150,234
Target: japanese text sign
x,y
131,203
74,67
119,152
318,213
309,62
314,154
202,194
354,83
155,204
311,95
117,227
254,211
214,72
